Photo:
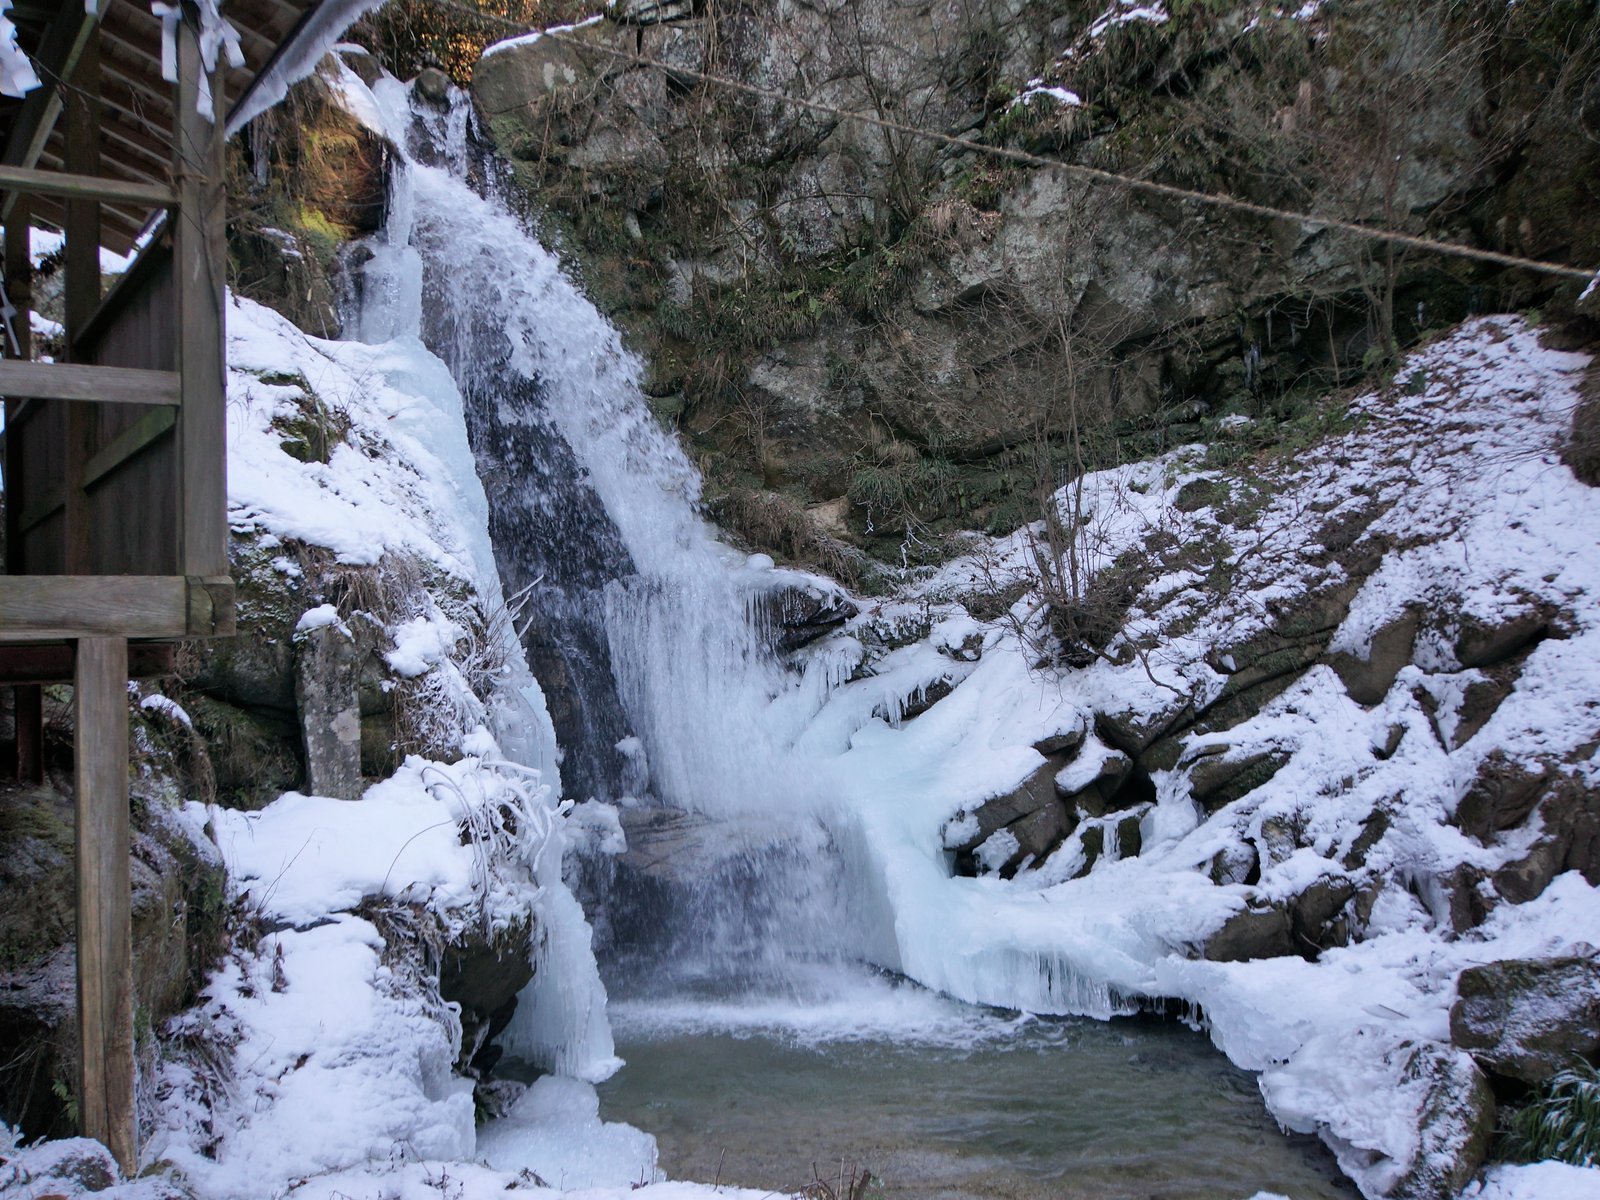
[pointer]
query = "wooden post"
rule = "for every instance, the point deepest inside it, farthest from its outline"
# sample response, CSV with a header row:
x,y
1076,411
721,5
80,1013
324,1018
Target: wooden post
x,y
199,256
28,709
82,289
105,945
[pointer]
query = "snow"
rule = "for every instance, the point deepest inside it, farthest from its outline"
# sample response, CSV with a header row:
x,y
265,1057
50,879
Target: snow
x,y
320,617
422,642
1036,89
528,39
168,708
1536,1181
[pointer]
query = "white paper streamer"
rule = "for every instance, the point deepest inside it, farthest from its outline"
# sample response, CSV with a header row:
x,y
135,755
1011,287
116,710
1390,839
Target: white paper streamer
x,y
17,77
217,37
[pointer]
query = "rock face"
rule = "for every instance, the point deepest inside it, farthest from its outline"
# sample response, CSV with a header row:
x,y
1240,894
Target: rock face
x,y
1527,1019
832,314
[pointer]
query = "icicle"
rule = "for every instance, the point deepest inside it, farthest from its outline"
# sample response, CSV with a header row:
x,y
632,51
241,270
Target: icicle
x,y
17,76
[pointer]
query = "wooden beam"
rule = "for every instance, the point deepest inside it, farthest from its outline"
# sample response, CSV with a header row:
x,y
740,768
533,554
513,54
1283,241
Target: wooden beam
x,y
200,272
82,290
105,937
19,289
128,443
85,187
72,381
53,662
52,608
30,734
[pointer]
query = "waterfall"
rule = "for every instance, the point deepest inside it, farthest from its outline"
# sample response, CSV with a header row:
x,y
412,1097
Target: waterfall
x,y
652,641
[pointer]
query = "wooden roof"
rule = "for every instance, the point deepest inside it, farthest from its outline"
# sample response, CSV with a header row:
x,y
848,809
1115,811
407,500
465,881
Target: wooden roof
x,y
136,114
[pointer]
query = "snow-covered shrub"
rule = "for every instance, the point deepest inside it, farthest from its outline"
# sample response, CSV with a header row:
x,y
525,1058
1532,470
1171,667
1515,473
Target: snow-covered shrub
x,y
1562,1121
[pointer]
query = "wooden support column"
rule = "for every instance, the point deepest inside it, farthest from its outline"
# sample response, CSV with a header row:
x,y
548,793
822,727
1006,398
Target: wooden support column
x,y
200,261
82,288
28,709
105,946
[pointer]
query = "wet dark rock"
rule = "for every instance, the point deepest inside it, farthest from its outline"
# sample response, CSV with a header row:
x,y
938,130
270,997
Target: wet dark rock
x,y
484,976
1526,1019
793,617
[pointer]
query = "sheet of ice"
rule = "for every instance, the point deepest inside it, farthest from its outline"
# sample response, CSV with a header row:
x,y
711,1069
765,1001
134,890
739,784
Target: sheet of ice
x,y
555,1131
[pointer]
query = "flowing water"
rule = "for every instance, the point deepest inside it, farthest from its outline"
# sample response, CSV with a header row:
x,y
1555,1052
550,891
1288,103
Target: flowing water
x,y
942,1101
733,932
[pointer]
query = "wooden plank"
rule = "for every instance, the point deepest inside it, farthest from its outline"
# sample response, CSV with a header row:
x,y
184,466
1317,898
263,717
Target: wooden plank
x,y
53,662
49,608
123,447
105,937
74,381
128,284
41,608
200,261
35,181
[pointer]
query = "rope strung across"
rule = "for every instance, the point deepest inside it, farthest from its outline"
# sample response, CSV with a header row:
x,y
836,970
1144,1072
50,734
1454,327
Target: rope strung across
x,y
1098,175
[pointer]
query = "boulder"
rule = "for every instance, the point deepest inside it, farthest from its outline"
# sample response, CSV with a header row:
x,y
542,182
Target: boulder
x,y
1251,933
1368,679
1455,1124
1036,792
1482,644
1317,914
1526,1019
1500,796
795,615
1218,779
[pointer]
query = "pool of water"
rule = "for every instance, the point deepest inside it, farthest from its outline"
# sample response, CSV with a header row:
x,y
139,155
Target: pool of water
x,y
942,1101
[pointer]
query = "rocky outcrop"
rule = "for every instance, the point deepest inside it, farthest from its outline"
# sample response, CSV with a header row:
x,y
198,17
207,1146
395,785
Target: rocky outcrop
x,y
1527,1019
834,315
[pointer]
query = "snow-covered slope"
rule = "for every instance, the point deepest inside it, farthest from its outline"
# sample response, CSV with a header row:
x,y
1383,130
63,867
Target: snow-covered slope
x,y
1440,519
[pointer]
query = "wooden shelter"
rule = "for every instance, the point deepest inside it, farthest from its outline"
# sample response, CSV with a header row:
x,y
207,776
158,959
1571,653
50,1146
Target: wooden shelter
x,y
116,530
